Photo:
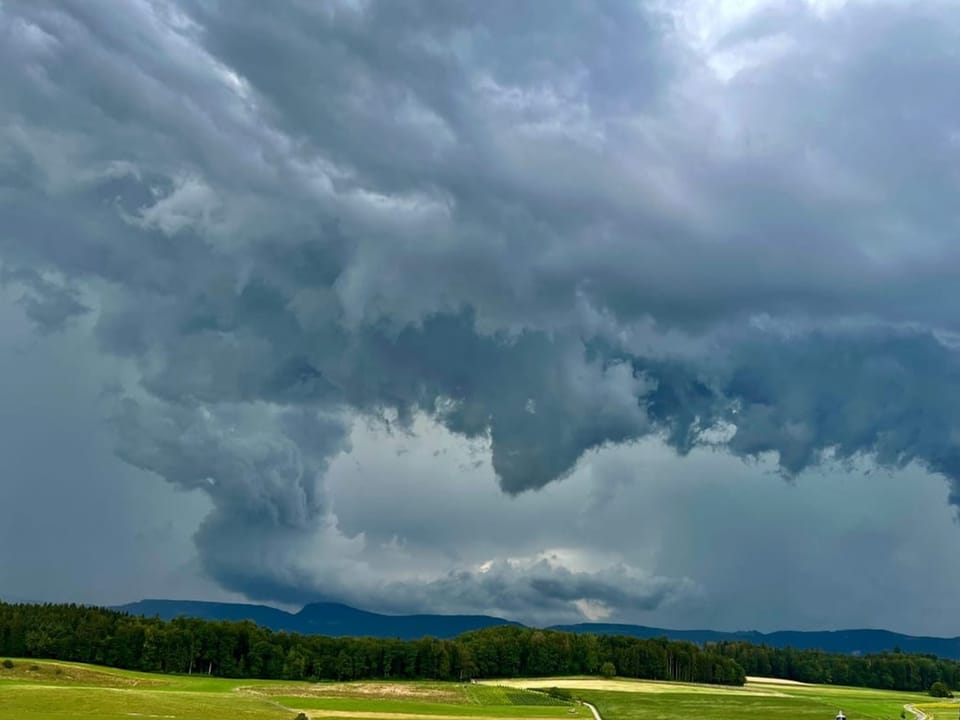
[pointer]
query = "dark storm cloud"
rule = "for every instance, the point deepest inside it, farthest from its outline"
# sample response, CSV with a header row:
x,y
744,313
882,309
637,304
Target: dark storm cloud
x,y
48,304
553,229
886,395
538,589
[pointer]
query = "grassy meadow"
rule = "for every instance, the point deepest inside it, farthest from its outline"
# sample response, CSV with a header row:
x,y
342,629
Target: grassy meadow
x,y
45,690
757,700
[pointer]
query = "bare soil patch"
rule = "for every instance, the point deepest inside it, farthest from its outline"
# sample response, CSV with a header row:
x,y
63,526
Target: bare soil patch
x,y
369,691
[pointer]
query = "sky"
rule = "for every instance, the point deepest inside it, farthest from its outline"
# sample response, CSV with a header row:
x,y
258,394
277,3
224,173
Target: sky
x,y
630,310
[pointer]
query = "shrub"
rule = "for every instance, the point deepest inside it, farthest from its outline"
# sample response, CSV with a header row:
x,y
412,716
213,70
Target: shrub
x,y
8,664
608,670
940,690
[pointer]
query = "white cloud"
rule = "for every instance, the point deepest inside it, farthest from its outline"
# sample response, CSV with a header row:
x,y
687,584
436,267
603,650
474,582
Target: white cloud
x,y
190,204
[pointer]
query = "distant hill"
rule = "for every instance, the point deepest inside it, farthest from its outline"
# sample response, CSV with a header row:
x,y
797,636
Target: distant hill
x,y
848,642
337,620
168,609
331,619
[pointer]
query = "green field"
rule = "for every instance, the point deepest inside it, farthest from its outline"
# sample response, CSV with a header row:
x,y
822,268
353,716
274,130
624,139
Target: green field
x,y
645,700
790,705
42,690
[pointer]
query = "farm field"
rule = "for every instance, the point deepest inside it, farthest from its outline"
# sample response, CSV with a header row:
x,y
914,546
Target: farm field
x,y
759,699
939,709
46,690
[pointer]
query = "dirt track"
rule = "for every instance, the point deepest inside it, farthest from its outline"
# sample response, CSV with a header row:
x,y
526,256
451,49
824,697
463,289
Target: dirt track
x,y
596,713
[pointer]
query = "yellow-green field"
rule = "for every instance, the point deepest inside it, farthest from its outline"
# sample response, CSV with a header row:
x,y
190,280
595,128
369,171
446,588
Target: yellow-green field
x,y
43,690
759,699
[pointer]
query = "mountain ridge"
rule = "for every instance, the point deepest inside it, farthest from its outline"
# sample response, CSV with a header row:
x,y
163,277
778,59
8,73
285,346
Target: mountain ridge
x,y
338,620
321,618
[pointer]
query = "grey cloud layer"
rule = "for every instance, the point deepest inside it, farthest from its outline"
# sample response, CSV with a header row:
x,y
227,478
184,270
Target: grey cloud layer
x,y
549,230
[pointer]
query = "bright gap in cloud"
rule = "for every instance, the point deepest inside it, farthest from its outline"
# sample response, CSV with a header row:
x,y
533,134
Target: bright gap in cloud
x,y
853,532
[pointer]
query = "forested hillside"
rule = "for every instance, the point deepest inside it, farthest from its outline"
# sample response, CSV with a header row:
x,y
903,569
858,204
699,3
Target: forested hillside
x,y
893,671
340,620
334,619
861,641
244,649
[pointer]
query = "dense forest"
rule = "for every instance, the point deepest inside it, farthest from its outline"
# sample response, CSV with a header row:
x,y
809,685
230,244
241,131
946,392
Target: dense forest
x,y
243,649
891,671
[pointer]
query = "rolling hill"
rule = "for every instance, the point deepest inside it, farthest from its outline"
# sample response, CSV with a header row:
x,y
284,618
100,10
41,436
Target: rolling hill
x,y
849,642
332,619
338,620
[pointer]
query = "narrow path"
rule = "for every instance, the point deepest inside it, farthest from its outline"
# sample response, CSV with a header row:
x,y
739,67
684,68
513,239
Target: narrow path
x,y
917,714
596,714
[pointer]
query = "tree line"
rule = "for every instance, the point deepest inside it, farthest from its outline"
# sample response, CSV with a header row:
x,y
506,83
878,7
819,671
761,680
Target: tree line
x,y
887,671
245,650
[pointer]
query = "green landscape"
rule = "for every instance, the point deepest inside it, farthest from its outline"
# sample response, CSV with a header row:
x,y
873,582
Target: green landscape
x,y
71,661
46,690
185,646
